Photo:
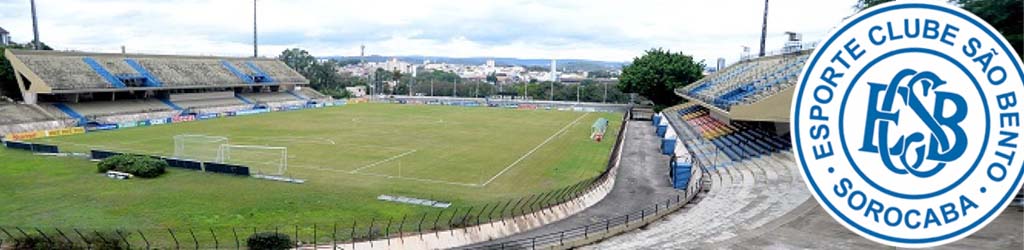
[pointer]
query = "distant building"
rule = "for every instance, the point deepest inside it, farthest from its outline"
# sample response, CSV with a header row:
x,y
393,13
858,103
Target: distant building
x,y
721,64
357,91
490,64
5,37
571,78
395,65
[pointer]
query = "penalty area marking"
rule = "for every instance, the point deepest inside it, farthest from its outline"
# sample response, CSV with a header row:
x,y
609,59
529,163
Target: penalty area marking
x,y
291,139
545,142
300,166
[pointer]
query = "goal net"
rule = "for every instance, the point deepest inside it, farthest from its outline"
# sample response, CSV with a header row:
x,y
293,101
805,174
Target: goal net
x,y
261,160
203,148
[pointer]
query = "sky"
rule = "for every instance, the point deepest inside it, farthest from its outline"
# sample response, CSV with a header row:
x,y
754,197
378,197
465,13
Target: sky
x,y
607,30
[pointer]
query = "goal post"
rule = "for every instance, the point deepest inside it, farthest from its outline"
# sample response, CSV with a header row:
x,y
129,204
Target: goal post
x,y
261,160
198,147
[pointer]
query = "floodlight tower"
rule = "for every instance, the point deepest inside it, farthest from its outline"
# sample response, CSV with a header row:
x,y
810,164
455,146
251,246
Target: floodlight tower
x,y
35,28
255,51
764,28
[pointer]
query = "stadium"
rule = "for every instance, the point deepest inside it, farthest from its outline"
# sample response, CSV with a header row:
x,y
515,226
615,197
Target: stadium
x,y
251,148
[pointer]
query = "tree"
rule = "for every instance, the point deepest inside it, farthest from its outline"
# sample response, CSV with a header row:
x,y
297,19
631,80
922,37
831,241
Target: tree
x,y
492,78
300,60
8,84
322,76
1004,15
599,74
658,73
864,4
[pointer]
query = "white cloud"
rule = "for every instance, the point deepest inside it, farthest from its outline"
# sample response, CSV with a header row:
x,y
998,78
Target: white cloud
x,y
597,29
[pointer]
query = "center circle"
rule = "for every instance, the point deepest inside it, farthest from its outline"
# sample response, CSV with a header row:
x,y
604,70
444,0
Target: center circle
x,y
952,176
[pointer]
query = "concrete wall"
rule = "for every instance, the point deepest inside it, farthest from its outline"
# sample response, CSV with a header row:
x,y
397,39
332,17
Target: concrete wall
x,y
36,126
774,108
203,96
606,107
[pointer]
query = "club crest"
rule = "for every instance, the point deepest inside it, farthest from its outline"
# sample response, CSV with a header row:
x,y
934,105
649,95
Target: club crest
x,y
906,123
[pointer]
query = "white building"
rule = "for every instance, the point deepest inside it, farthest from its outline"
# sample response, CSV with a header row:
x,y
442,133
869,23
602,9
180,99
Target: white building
x,y
395,65
357,91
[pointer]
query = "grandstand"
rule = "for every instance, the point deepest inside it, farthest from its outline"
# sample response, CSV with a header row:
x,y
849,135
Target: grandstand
x,y
735,124
736,141
63,89
757,196
740,89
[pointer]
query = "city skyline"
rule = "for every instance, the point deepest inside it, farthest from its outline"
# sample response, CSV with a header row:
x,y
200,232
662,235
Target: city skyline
x,y
596,30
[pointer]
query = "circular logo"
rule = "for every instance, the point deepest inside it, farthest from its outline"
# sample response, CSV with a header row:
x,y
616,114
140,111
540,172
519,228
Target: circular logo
x,y
906,123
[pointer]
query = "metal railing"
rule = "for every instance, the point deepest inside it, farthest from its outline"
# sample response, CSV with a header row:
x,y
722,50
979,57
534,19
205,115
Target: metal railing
x,y
609,227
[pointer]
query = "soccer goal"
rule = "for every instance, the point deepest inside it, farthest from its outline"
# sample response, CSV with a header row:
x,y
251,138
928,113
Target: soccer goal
x,y
261,160
198,147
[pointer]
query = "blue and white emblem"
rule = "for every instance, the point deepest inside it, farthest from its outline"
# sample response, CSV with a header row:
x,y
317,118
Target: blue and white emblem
x,y
906,123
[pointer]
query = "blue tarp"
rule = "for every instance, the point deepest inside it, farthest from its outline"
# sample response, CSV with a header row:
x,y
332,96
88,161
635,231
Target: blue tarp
x,y
19,145
100,154
186,164
680,173
226,169
43,148
668,146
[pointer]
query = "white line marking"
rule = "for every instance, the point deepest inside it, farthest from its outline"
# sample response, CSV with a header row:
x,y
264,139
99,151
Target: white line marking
x,y
292,166
387,176
421,180
290,139
545,142
383,161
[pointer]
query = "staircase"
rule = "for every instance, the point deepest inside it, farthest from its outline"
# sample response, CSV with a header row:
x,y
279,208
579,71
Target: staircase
x,y
72,113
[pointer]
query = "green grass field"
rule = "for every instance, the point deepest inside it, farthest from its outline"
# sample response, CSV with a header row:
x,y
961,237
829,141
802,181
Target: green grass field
x,y
347,155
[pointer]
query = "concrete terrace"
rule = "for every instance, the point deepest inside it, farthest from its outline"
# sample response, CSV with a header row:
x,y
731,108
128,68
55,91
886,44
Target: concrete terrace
x,y
763,203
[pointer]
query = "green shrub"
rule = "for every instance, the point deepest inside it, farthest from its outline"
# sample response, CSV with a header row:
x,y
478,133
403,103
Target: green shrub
x,y
138,165
97,241
33,242
269,241
105,241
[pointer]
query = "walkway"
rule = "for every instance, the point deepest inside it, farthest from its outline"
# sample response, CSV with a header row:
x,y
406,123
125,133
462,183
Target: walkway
x,y
641,182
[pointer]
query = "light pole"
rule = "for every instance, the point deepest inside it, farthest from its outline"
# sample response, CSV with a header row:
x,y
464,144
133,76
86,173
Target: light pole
x,y
431,86
455,87
578,85
255,52
552,96
764,28
605,100
35,28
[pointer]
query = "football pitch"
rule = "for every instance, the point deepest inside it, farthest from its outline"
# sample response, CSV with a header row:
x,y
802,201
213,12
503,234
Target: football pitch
x,y
347,155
